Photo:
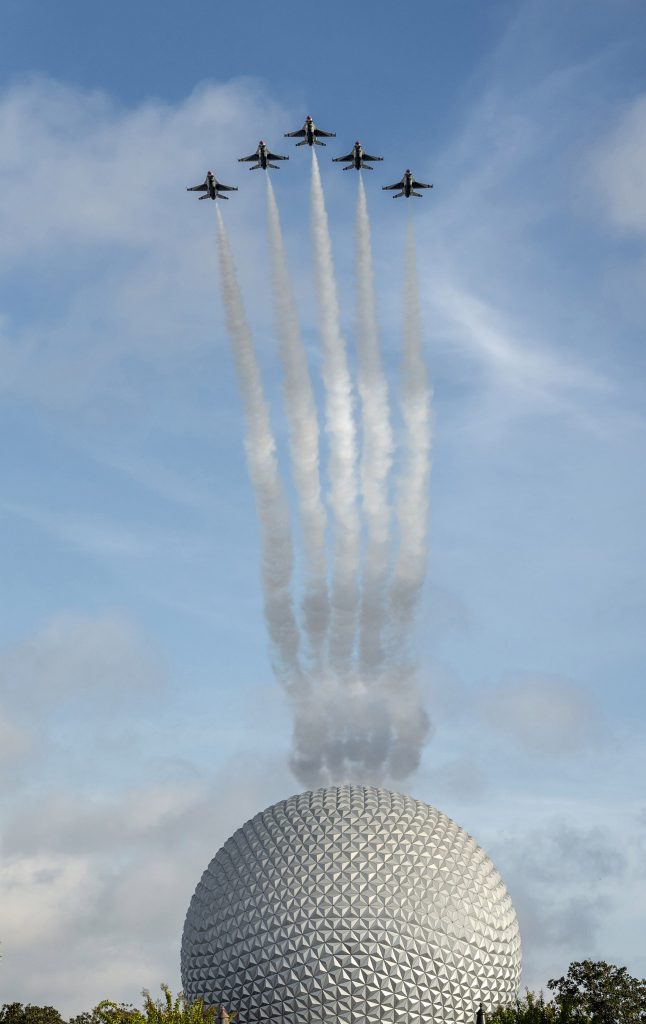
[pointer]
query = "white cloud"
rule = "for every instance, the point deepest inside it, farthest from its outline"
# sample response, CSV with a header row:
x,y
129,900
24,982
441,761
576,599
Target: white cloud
x,y
618,170
98,869
15,740
574,886
514,359
105,174
68,824
541,713
42,895
101,657
95,891
105,537
114,237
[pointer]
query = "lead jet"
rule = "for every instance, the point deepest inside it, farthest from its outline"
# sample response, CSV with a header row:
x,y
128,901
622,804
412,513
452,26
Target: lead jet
x,y
356,159
212,187
263,158
407,186
310,134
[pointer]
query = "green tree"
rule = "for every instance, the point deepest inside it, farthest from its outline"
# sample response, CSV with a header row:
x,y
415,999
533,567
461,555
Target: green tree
x,y
168,1010
16,1013
120,1013
594,992
527,1009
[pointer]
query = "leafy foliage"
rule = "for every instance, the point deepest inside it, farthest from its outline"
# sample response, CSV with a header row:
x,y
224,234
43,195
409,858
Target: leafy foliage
x,y
527,1009
16,1013
166,1010
592,992
169,1010
599,993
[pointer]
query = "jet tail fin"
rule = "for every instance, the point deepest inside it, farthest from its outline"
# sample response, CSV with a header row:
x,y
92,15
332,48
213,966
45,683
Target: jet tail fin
x,y
317,143
303,143
205,196
275,167
398,195
418,194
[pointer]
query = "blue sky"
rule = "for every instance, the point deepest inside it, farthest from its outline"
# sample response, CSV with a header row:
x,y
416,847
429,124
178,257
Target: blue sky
x,y
139,721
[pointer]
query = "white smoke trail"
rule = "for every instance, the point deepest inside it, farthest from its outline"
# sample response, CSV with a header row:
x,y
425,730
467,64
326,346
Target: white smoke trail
x,y
276,540
412,500
341,430
377,451
371,725
303,436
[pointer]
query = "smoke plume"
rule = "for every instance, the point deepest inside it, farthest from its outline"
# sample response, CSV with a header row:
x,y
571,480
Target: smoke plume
x,y
377,452
303,436
357,706
339,422
412,498
275,531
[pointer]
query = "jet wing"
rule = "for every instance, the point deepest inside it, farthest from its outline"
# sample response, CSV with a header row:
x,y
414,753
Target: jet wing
x,y
366,156
343,159
248,159
300,134
198,188
227,188
398,184
419,184
324,135
274,156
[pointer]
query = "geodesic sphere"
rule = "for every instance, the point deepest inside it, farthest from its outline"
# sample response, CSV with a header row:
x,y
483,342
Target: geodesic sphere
x,y
352,904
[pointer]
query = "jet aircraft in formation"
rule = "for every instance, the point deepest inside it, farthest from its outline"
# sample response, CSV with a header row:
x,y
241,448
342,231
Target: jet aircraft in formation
x,y
357,159
262,158
212,187
407,186
310,134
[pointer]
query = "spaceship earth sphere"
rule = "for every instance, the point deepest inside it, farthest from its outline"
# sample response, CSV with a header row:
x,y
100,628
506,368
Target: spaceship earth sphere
x,y
351,903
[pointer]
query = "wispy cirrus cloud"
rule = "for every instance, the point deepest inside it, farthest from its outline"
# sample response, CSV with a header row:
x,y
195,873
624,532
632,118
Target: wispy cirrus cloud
x,y
104,537
507,350
617,170
113,246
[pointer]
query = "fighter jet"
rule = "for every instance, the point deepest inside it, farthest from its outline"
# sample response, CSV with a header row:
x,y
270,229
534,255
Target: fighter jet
x,y
407,186
263,158
356,159
310,134
212,187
